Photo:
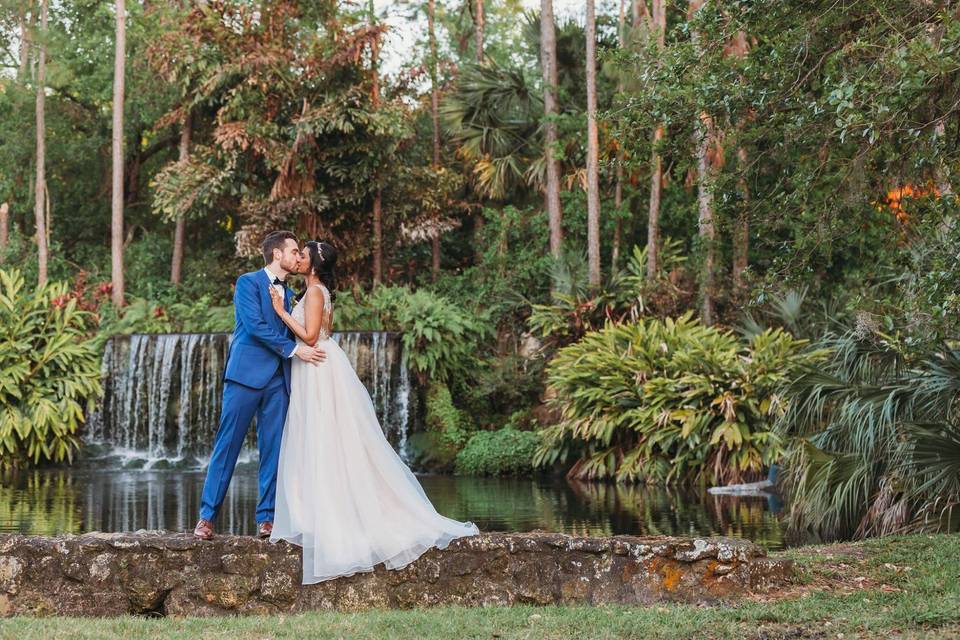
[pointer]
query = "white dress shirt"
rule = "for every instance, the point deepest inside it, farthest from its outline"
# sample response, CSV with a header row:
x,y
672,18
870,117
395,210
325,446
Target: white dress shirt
x,y
282,290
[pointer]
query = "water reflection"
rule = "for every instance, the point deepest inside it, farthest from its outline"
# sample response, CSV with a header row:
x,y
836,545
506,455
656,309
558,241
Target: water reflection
x,y
79,500
497,504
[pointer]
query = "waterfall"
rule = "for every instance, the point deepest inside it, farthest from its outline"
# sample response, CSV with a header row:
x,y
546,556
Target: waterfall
x,y
162,394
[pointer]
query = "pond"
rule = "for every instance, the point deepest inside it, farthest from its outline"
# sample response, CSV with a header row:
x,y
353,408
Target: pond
x,y
83,499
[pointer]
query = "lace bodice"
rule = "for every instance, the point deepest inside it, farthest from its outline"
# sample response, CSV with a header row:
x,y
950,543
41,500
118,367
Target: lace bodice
x,y
326,322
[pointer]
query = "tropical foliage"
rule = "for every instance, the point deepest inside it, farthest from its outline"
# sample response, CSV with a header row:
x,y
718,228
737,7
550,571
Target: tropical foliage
x,y
49,372
439,337
875,437
670,400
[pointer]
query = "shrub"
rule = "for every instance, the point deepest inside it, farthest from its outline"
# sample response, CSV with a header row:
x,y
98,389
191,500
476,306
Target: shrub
x,y
498,453
49,371
670,400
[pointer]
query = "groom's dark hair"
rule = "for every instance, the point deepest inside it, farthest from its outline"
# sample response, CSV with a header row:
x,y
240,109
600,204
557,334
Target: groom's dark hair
x,y
274,240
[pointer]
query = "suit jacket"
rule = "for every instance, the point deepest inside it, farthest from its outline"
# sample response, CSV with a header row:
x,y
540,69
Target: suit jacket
x,y
261,342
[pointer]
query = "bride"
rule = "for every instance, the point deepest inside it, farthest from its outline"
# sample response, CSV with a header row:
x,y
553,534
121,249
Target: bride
x,y
343,494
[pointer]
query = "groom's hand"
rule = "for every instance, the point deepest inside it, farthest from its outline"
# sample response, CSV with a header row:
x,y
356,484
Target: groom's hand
x,y
309,354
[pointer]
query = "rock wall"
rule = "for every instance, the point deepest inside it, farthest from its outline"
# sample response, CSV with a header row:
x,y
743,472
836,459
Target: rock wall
x,y
159,573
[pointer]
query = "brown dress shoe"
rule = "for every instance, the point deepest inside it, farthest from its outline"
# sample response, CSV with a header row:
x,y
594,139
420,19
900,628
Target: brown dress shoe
x,y
204,530
264,530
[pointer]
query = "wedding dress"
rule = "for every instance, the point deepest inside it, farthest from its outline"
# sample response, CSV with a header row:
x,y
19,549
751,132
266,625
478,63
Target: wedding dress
x,y
343,494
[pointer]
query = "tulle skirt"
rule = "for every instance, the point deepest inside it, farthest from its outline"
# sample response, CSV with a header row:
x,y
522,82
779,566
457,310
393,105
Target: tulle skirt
x,y
343,494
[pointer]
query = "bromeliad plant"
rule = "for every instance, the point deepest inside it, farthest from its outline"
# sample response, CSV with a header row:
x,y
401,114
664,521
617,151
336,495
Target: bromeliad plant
x,y
49,372
669,401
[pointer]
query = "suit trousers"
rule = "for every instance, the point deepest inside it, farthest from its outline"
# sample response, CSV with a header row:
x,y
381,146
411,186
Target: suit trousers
x,y
240,405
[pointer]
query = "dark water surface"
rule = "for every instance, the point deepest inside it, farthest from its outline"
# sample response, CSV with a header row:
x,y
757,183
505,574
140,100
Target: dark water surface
x,y
79,500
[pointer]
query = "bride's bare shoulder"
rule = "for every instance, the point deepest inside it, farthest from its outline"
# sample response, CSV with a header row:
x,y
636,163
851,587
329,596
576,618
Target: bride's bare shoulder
x,y
314,296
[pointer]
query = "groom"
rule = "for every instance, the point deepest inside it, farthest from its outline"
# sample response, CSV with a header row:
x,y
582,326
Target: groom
x,y
256,382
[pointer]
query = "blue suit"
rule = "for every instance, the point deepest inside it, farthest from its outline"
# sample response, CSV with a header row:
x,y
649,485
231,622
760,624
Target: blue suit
x,y
256,382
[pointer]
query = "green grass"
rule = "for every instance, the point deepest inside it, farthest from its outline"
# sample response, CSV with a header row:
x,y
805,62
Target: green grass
x,y
905,587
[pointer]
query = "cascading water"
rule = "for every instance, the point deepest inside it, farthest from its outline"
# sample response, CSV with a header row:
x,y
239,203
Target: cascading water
x,y
162,394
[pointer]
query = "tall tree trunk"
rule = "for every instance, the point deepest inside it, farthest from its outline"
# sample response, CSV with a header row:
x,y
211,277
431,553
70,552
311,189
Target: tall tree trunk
x,y
593,150
176,263
706,219
116,219
40,183
4,229
942,173
548,63
435,117
378,237
378,195
479,21
24,47
618,187
435,256
739,48
653,211
741,232
659,19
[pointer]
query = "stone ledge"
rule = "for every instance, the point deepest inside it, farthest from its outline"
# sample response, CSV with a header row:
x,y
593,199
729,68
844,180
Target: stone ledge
x,y
161,573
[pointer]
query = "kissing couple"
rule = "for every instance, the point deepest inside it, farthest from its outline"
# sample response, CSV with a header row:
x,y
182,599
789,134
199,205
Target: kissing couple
x,y
329,481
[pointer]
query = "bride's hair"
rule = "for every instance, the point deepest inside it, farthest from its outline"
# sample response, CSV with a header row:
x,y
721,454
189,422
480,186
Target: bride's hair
x,y
323,263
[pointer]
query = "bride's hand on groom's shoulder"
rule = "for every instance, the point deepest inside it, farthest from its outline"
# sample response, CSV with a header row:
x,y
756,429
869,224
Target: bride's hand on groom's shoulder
x,y
277,301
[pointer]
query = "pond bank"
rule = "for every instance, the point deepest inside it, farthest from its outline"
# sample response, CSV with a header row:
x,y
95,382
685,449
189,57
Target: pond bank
x,y
905,587
159,573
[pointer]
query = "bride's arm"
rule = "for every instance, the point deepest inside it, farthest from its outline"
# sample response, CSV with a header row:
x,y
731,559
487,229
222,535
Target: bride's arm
x,y
313,314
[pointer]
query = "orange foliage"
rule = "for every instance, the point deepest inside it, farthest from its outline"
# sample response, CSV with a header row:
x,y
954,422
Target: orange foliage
x,y
895,197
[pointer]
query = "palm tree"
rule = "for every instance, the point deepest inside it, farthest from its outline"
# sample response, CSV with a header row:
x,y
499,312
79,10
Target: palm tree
x,y
548,63
40,185
116,220
176,263
874,439
493,117
593,150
